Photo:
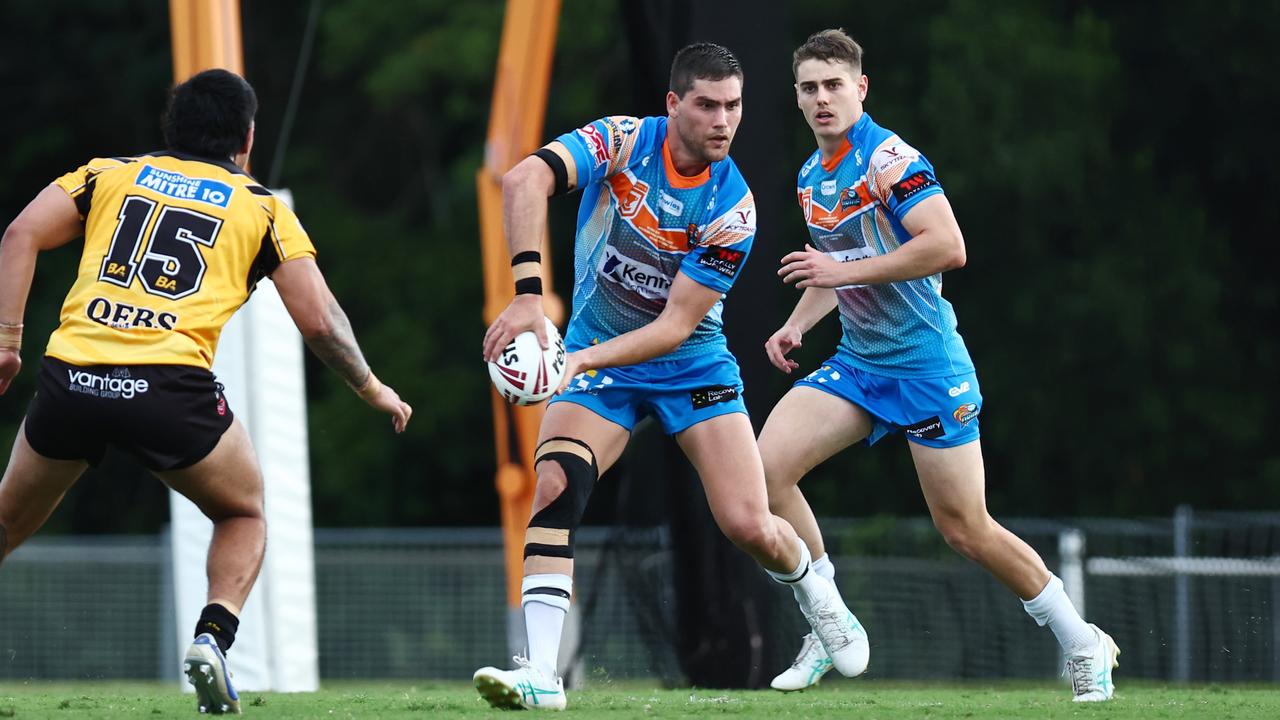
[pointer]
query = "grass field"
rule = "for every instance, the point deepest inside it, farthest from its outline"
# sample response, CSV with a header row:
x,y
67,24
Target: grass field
x,y
861,700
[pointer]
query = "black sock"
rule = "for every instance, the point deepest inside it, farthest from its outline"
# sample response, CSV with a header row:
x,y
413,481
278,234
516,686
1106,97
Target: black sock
x,y
220,623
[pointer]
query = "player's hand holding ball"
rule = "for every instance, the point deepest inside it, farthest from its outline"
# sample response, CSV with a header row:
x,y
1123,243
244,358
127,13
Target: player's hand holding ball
x,y
529,369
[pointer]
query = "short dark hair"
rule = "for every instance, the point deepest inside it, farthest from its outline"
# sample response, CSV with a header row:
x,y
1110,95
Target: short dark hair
x,y
209,115
828,45
702,61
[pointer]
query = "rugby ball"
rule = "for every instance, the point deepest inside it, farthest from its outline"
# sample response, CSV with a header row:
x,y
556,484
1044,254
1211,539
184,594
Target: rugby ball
x,y
526,374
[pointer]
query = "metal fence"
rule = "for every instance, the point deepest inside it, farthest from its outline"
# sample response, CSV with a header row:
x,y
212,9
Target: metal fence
x,y
1195,597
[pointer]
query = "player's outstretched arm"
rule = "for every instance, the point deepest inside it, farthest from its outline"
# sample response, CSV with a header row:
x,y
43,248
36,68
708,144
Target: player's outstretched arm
x,y
936,246
525,191
688,302
814,305
326,330
48,221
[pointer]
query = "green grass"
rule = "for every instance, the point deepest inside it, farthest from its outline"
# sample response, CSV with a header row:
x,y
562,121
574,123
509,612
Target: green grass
x,y
861,700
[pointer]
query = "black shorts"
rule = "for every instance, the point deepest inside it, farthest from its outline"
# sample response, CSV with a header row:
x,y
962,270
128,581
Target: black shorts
x,y
167,416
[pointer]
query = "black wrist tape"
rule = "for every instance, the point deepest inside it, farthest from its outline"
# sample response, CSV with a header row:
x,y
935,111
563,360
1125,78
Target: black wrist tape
x,y
529,286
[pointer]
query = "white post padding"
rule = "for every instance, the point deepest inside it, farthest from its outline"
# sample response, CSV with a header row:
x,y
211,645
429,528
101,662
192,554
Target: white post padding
x,y
260,363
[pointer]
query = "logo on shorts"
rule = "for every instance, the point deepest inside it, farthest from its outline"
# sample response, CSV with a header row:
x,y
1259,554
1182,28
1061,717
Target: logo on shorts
x,y
927,429
966,413
116,384
590,382
959,390
708,396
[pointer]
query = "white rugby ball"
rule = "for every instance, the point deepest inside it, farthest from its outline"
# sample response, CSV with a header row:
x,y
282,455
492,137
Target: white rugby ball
x,y
526,374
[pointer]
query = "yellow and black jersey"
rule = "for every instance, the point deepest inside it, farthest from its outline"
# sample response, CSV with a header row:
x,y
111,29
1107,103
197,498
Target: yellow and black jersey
x,y
173,246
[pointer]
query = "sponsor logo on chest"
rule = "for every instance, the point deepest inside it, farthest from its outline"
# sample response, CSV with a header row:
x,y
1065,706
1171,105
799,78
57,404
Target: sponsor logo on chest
x,y
641,278
669,204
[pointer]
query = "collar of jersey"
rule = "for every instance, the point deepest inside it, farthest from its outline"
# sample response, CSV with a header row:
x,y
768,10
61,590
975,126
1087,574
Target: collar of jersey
x,y
850,137
222,163
674,177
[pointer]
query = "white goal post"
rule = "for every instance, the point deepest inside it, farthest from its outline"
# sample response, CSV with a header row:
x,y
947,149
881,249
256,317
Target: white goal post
x,y
260,361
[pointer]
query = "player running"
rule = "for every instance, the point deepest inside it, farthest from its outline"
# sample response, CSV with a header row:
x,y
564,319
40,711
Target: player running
x,y
664,228
174,243
882,233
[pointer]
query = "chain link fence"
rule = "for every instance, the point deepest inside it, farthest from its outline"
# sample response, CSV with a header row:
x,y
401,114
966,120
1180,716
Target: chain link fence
x,y
1194,597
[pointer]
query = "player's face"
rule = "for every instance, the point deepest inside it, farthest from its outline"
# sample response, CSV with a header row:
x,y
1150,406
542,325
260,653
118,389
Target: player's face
x,y
707,117
830,95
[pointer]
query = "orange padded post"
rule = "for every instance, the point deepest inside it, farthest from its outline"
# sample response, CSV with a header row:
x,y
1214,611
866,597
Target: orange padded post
x,y
515,130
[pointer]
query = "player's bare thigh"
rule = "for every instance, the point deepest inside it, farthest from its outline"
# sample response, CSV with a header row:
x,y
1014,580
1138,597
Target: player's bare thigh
x,y
723,451
225,483
806,427
952,479
32,487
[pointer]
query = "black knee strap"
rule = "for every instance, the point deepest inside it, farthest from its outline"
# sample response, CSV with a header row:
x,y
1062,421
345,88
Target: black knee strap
x,y
552,528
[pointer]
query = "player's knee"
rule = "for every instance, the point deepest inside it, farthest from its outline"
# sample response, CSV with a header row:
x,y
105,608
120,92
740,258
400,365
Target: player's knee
x,y
966,535
567,473
551,484
750,533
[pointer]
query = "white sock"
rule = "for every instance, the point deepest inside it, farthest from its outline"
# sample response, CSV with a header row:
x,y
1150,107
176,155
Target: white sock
x,y
545,600
1052,607
809,587
824,567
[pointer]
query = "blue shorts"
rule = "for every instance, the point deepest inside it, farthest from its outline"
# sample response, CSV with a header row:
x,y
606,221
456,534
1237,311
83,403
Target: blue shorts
x,y
680,393
938,412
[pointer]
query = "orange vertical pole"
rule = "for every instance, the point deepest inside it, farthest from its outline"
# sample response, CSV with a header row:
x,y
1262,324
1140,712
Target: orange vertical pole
x,y
515,130
206,34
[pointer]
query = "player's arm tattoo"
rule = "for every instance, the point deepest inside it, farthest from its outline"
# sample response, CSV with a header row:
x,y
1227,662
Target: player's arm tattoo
x,y
338,348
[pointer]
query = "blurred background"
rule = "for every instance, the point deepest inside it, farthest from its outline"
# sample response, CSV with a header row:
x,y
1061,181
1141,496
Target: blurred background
x,y
1110,165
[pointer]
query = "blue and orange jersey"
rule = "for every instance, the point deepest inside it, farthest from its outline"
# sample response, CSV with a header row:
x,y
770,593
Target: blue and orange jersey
x,y
853,205
640,223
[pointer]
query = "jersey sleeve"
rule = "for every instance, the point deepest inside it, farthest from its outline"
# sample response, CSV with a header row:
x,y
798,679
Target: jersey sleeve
x,y
900,177
289,240
722,248
79,182
603,147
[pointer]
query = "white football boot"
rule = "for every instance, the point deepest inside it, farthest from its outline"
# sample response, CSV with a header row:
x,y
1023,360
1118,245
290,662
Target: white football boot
x,y
841,635
524,687
1090,669
206,670
810,665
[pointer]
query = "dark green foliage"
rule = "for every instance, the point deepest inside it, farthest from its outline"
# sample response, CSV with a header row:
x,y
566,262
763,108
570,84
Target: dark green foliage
x,y
1109,164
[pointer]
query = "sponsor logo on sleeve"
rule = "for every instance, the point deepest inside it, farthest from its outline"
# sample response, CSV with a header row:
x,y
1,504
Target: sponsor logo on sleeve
x,y
896,154
966,413
725,261
712,395
742,221
927,429
176,185
808,166
596,144
913,184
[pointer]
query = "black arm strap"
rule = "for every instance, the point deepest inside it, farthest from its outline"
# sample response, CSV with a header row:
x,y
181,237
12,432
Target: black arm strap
x,y
556,163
